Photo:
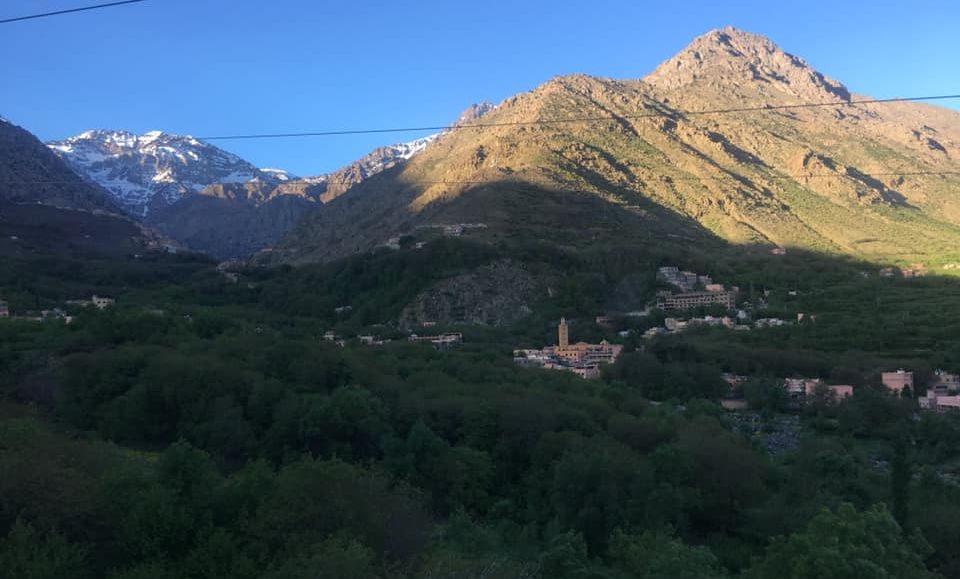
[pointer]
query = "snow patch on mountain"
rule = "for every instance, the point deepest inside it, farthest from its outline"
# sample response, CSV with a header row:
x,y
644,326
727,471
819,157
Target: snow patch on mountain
x,y
155,168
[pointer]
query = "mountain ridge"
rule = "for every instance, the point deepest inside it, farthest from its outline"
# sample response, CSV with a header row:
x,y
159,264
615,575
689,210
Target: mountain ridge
x,y
213,200
780,177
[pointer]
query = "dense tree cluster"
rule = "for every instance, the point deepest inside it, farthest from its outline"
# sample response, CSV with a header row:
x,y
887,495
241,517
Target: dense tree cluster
x,y
203,428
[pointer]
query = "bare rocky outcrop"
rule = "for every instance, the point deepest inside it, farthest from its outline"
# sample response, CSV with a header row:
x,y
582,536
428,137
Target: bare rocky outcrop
x,y
498,294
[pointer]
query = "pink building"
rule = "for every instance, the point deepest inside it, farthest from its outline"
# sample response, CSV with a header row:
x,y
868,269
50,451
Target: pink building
x,y
948,402
939,402
897,381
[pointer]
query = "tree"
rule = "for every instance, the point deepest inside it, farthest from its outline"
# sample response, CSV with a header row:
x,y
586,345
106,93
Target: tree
x,y
331,559
657,555
900,475
845,544
765,394
27,553
566,558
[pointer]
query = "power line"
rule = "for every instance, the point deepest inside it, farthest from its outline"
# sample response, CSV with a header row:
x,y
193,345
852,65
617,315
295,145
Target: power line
x,y
671,177
69,11
341,132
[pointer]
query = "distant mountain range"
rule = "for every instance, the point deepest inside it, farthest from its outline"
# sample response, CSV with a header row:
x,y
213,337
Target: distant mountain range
x,y
794,160
209,199
640,164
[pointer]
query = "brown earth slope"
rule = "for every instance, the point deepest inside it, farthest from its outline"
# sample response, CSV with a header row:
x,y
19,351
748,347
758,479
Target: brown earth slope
x,y
648,164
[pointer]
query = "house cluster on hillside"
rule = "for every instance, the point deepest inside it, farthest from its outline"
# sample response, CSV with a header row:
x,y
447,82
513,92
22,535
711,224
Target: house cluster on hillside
x,y
799,390
945,393
54,313
368,340
942,395
440,341
739,323
581,358
454,229
695,291
99,302
805,389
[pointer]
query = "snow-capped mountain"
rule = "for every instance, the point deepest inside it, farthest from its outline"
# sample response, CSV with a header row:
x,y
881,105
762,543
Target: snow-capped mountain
x,y
155,169
211,200
373,162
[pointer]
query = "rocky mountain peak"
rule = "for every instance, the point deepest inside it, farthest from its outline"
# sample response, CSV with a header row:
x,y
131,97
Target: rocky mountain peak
x,y
154,169
474,112
732,58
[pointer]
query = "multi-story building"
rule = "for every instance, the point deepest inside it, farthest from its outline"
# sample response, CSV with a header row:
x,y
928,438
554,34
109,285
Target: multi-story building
x,y
805,388
897,381
939,402
946,382
683,301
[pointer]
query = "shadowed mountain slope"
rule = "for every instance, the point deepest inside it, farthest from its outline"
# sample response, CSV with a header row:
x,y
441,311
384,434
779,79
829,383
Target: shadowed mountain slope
x,y
31,173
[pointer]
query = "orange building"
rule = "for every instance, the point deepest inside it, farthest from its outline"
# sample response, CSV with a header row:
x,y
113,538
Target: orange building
x,y
582,353
581,358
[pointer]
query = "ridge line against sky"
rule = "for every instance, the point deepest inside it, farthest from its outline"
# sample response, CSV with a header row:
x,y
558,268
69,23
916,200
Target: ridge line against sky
x,y
261,67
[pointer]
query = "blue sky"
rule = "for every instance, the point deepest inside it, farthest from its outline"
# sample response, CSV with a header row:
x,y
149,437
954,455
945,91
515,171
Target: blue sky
x,y
245,66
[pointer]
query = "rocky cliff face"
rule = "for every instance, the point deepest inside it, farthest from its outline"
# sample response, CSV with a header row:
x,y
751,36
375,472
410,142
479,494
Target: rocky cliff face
x,y
496,295
651,163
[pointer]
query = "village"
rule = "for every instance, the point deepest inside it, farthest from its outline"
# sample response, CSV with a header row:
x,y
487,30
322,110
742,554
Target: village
x,y
942,394
57,313
586,360
440,342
